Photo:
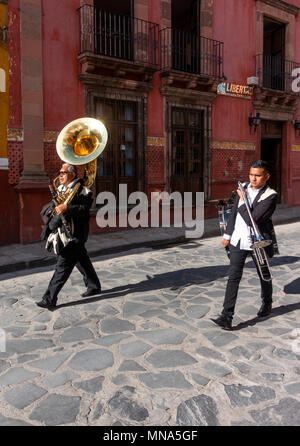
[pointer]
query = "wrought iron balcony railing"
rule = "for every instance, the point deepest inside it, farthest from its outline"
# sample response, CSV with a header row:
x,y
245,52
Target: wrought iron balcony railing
x,y
190,53
275,73
117,35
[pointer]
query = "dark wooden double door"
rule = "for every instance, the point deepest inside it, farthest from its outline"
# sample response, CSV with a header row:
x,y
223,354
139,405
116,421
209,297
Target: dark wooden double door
x,y
187,153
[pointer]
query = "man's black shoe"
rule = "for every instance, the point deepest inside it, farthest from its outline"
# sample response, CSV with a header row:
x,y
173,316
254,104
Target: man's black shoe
x,y
47,305
265,310
224,322
91,292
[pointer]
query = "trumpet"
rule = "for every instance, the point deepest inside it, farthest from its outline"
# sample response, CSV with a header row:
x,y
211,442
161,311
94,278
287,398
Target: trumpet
x,y
258,243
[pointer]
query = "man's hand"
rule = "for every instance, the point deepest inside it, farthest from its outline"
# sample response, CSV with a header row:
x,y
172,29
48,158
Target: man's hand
x,y
61,208
240,194
225,242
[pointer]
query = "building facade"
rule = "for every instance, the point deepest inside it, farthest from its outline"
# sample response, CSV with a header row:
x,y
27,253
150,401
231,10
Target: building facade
x,y
8,200
190,92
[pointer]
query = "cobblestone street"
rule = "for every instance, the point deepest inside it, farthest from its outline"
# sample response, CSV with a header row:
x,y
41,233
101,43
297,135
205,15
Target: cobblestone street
x,y
145,351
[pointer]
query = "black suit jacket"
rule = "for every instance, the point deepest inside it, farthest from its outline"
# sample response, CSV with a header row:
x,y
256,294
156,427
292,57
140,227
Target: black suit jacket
x,y
262,210
77,214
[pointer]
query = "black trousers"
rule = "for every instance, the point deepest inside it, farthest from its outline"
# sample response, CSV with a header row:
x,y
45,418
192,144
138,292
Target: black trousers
x,y
73,255
237,261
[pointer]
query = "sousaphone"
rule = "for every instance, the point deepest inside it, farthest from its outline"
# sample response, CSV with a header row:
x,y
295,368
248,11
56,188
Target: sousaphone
x,y
80,143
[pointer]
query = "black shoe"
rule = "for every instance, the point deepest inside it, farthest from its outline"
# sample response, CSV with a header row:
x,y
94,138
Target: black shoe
x,y
265,310
224,322
44,304
91,292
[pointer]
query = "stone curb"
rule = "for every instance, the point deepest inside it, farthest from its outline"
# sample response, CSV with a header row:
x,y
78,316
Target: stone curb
x,y
51,260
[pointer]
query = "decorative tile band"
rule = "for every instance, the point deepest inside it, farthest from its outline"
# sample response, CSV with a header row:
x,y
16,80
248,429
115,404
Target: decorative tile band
x,y
15,135
229,145
295,147
156,141
50,136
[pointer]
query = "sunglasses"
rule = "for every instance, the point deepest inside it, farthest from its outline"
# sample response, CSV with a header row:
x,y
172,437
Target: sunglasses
x,y
63,172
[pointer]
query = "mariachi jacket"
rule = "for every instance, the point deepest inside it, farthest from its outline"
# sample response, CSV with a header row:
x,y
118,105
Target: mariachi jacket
x,y
262,209
77,214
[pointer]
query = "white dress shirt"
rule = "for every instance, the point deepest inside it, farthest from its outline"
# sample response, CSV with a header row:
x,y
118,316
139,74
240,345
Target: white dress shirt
x,y
241,232
61,188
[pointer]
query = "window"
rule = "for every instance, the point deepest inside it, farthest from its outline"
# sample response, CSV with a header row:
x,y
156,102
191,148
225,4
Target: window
x,y
118,163
113,23
274,69
188,150
185,35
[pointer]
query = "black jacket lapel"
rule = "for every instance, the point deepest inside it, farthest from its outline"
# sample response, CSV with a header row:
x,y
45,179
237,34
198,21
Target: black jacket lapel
x,y
259,194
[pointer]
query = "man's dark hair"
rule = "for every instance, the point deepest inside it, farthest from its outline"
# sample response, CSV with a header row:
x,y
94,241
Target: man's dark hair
x,y
260,164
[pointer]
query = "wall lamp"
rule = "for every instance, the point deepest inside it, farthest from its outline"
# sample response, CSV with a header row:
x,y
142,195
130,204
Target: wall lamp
x,y
297,125
254,121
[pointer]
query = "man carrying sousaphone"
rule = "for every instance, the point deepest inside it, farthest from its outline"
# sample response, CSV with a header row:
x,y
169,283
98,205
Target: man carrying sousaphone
x,y
250,231
74,253
67,222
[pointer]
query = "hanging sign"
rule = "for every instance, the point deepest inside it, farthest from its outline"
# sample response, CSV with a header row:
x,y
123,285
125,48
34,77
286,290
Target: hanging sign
x,y
235,90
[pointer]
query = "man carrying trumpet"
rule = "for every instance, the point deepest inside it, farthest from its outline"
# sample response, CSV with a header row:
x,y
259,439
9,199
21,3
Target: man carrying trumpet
x,y
250,231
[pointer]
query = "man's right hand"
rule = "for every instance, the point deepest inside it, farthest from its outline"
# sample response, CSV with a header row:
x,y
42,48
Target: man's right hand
x,y
225,242
61,208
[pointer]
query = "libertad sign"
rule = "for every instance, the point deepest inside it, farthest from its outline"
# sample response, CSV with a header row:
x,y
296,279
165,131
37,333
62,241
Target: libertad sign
x,y
236,90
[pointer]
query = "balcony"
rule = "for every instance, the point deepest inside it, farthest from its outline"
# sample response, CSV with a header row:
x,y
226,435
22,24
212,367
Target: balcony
x,y
274,72
187,56
118,44
275,86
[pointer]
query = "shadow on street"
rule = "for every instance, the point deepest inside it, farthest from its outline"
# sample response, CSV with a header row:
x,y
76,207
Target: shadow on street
x,y
174,280
293,287
277,311
278,261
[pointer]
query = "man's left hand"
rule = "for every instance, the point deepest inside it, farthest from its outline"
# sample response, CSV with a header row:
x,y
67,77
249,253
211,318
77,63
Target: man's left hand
x,y
61,208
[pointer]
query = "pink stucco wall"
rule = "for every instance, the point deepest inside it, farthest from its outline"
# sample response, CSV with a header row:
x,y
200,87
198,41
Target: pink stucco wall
x,y
63,92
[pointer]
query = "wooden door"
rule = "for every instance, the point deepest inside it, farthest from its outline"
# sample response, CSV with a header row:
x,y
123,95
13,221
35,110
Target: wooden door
x,y
187,150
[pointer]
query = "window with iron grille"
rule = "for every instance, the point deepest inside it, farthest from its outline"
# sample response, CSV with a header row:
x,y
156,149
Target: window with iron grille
x,y
119,162
109,29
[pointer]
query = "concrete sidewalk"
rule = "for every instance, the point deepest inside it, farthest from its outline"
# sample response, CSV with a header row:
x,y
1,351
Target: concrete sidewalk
x,y
17,257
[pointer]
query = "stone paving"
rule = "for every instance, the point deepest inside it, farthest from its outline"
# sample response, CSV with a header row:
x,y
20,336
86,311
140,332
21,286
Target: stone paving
x,y
145,352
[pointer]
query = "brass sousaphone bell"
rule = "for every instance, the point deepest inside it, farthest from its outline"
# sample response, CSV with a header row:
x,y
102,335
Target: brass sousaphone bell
x,y
80,143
